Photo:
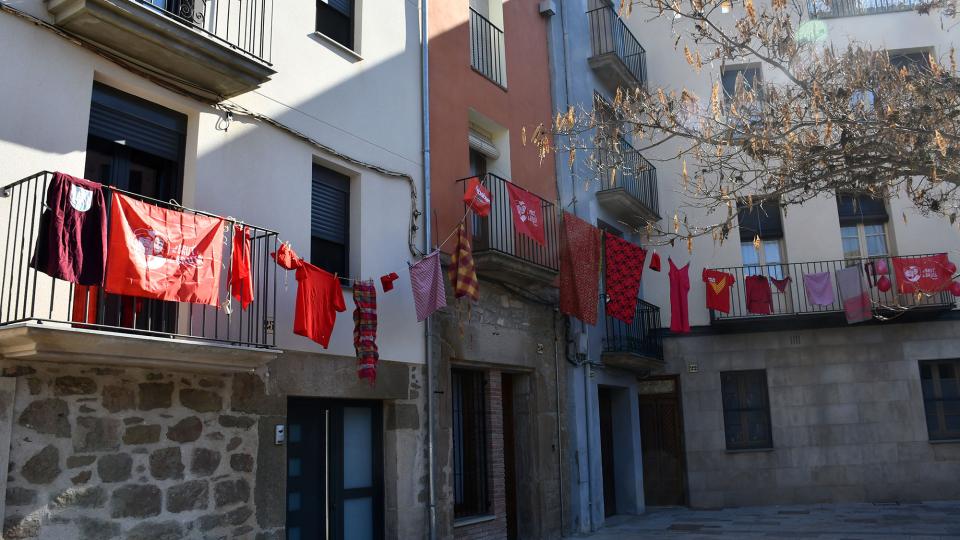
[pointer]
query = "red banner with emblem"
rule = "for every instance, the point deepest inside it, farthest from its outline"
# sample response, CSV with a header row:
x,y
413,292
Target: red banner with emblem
x,y
922,274
165,254
527,214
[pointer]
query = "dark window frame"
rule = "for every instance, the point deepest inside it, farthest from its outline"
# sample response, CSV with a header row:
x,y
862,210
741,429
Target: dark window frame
x,y
740,440
933,405
469,443
337,25
320,247
751,220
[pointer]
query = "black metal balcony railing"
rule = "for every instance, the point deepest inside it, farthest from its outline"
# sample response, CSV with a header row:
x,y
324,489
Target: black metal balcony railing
x,y
30,296
496,233
245,25
609,34
486,49
634,174
793,301
641,337
826,9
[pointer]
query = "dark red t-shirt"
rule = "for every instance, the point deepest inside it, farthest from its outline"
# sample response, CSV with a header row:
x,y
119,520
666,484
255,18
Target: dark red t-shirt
x,y
758,296
319,298
718,289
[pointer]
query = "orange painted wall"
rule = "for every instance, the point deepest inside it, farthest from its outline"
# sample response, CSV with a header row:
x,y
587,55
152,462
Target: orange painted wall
x,y
455,88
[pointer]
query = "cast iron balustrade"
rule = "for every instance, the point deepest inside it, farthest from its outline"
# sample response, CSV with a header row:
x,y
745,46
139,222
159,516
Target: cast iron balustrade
x,y
641,337
635,177
495,234
486,49
28,296
793,304
616,52
828,9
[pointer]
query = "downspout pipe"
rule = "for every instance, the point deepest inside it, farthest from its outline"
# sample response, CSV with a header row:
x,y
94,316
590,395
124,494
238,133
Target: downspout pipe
x,y
428,346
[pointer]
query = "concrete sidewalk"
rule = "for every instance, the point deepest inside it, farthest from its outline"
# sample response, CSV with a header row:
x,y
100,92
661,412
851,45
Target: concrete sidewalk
x,y
865,521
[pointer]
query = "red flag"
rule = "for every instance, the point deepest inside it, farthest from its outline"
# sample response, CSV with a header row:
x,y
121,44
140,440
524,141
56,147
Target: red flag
x,y
241,278
527,214
477,197
922,274
164,254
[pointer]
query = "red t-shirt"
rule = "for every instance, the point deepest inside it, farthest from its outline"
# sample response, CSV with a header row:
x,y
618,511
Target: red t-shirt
x,y
319,298
718,289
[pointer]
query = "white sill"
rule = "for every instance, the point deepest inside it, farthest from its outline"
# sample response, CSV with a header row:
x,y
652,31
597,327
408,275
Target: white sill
x,y
473,520
337,47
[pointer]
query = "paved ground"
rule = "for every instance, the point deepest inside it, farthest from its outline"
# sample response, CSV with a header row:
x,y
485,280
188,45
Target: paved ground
x,y
925,521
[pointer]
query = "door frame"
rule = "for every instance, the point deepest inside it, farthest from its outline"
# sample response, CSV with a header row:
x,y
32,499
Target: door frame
x,y
684,475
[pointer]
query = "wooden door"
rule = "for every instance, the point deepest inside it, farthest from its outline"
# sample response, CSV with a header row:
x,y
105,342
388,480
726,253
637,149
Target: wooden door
x,y
605,399
661,437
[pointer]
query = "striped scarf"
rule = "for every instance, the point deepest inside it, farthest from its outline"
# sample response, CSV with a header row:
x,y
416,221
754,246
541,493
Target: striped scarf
x,y
365,329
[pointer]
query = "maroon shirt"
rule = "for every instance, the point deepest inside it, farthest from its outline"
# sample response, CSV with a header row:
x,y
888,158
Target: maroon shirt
x,y
72,239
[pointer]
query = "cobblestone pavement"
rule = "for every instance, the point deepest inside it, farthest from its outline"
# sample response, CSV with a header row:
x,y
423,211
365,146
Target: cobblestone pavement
x,y
924,521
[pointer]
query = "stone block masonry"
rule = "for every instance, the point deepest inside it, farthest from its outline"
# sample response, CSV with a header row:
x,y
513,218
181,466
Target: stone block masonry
x,y
100,453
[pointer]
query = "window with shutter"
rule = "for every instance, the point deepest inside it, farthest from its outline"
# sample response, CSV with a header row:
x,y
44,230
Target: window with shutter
x,y
746,409
330,221
335,19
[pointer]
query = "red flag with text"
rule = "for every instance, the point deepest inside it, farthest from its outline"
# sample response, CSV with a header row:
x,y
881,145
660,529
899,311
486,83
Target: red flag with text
x,y
922,274
527,214
477,197
164,254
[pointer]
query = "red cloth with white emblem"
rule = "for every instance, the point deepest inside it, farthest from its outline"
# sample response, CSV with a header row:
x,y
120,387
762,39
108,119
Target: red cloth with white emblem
x,y
477,197
164,254
527,213
922,274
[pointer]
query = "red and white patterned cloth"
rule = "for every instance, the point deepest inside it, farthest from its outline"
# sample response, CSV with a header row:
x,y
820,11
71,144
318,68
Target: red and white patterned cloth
x,y
624,268
365,329
579,269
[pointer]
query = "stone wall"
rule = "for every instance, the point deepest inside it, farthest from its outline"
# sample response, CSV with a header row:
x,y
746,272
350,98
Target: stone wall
x,y
846,412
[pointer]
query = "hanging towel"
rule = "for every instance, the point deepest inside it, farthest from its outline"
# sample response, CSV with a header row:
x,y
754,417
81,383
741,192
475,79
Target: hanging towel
x,y
624,268
853,292
819,289
426,279
758,296
579,269
679,288
463,273
365,329
241,278
781,284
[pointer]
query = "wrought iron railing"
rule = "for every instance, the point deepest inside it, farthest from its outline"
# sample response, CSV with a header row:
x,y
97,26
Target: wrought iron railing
x,y
486,49
641,337
496,232
245,25
826,9
610,35
27,295
793,301
628,170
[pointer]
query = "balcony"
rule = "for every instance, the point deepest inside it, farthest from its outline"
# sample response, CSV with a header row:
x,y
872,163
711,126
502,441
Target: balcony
x,y
214,48
45,319
792,307
637,346
486,49
631,196
501,253
617,57
831,9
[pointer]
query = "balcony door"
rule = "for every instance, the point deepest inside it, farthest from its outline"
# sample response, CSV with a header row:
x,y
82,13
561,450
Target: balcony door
x,y
136,146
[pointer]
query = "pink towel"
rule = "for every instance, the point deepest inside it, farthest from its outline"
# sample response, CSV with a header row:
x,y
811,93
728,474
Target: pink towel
x,y
853,292
426,279
819,288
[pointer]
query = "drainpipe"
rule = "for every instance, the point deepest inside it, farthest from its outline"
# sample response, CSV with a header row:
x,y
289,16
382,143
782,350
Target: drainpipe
x,y
556,383
428,364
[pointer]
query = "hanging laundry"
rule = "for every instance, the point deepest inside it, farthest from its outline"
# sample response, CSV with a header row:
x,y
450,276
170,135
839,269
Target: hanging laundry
x,y
365,329
679,289
164,254
477,197
463,273
757,295
819,289
922,274
72,233
781,284
286,257
426,279
241,278
319,299
624,268
579,269
718,289
387,281
527,213
853,293
655,261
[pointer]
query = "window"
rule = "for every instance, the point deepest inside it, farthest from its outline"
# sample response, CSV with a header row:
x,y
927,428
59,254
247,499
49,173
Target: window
x,y
469,443
863,228
746,409
761,220
330,221
940,381
487,53
752,80
335,20
913,61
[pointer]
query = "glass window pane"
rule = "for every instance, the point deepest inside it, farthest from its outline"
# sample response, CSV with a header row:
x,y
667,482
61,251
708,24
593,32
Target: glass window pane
x,y
876,245
751,259
358,518
293,533
293,501
293,467
293,433
357,447
771,251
